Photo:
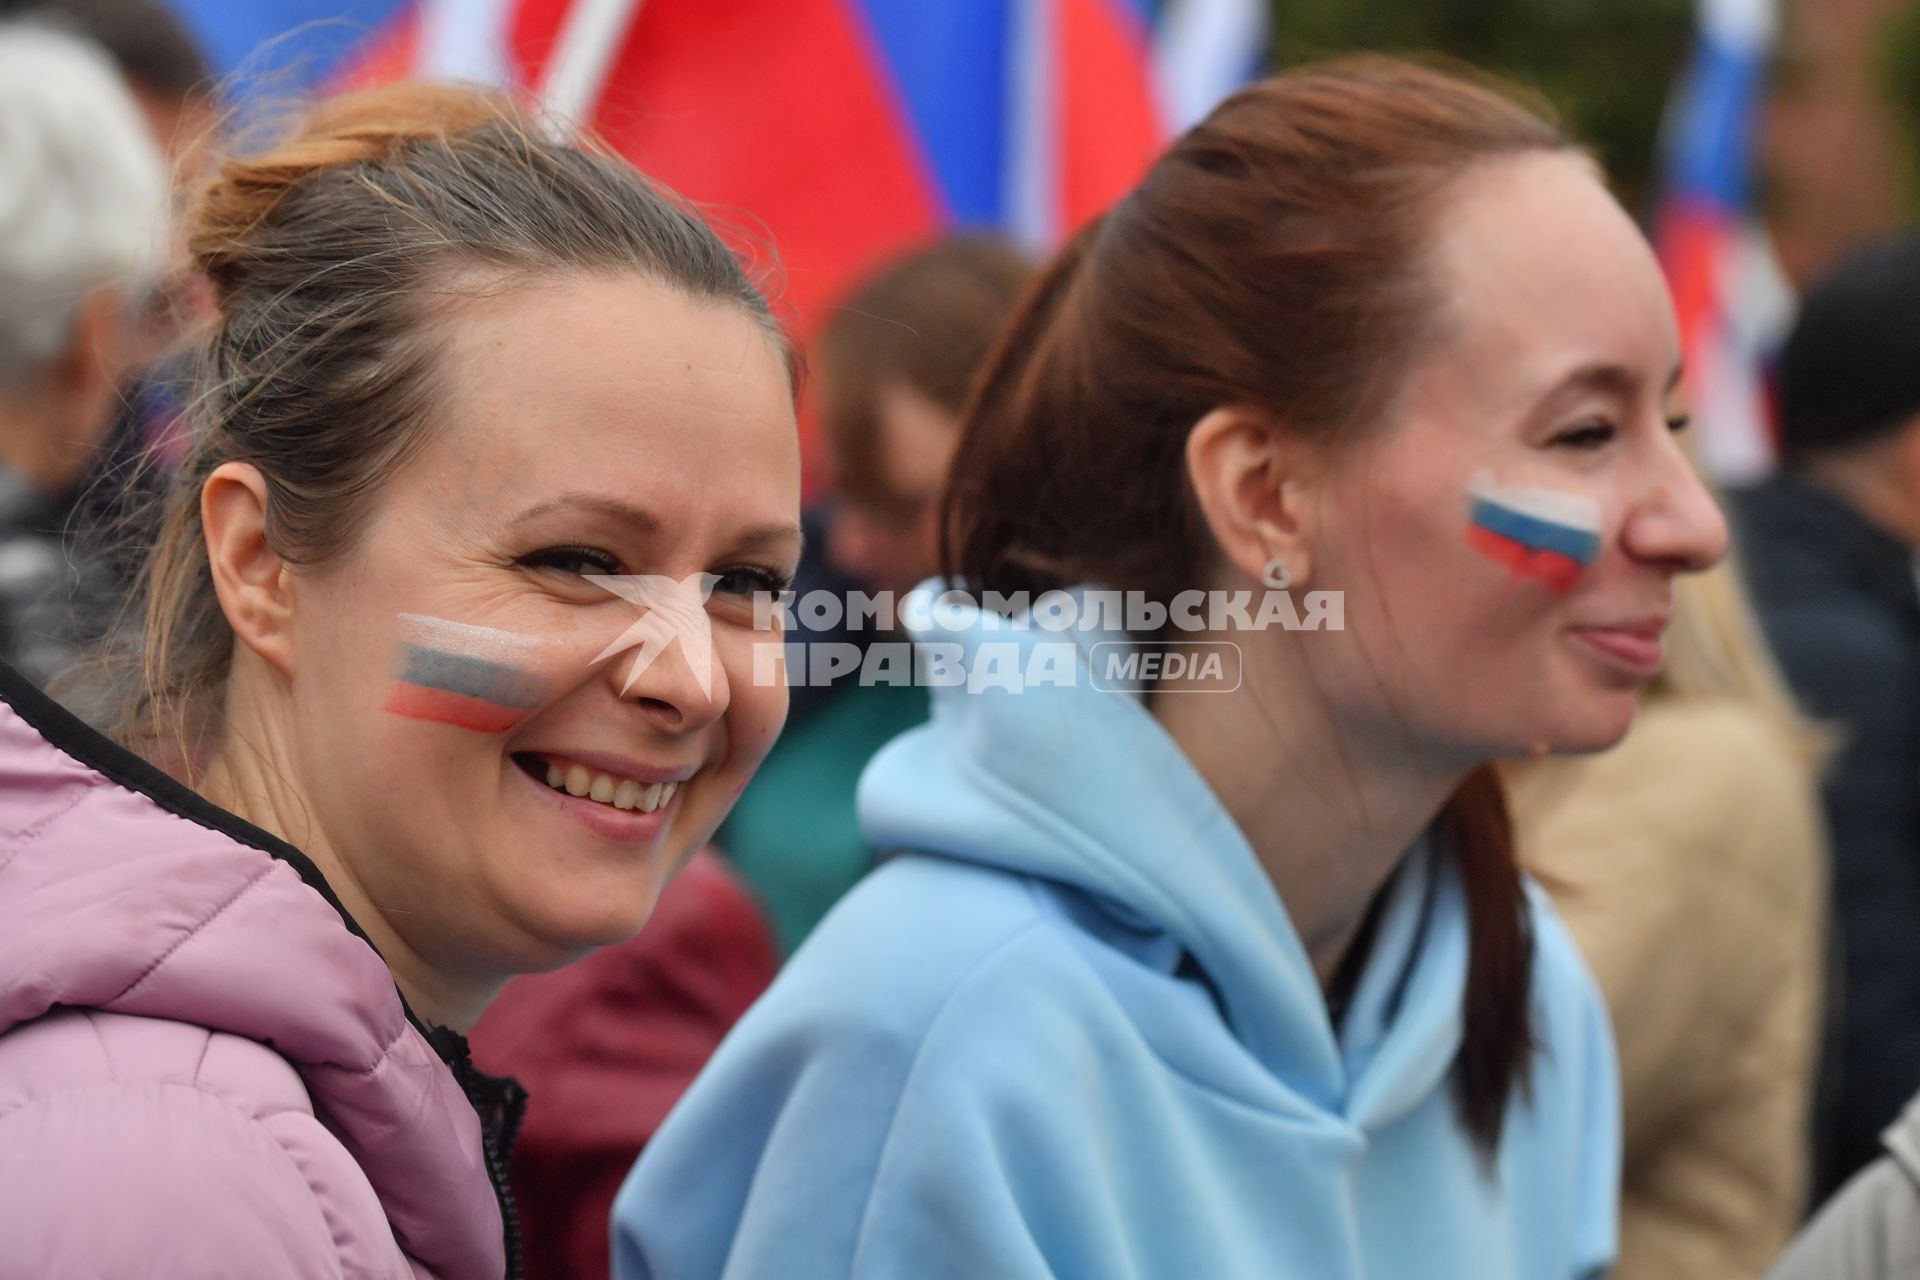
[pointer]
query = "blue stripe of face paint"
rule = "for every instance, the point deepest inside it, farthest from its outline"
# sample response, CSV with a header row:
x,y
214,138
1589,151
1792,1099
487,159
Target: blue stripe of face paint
x,y
1536,534
461,673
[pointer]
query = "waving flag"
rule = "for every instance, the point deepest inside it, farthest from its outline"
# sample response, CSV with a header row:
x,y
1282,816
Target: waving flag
x,y
842,131
828,135
1732,301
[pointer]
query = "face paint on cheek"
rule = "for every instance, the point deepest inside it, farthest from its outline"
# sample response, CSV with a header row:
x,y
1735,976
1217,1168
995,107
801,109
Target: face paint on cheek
x,y
458,674
1542,535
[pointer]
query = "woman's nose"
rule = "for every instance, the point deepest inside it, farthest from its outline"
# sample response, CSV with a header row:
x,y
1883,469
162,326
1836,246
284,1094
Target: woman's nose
x,y
669,666
680,694
1678,522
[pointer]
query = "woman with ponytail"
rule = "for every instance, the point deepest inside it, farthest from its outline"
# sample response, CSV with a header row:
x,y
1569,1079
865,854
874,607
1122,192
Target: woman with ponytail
x,y
477,404
1231,973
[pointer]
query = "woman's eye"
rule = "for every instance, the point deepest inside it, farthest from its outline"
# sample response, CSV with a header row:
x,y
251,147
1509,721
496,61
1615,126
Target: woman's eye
x,y
1679,422
579,560
746,581
1590,436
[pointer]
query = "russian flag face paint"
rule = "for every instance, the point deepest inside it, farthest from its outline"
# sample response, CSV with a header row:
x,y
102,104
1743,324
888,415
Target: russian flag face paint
x,y
455,673
1542,534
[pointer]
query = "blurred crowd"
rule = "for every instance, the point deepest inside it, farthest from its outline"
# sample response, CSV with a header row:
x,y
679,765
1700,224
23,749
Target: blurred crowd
x,y
1741,873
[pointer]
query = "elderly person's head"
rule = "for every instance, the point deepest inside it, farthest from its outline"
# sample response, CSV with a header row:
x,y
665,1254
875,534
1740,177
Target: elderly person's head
x,y
83,201
155,54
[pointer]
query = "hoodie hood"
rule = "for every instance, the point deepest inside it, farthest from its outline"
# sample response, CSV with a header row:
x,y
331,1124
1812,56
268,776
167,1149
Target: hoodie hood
x,y
1074,782
124,891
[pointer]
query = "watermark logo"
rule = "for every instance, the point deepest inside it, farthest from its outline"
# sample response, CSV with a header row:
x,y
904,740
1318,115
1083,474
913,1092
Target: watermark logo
x,y
1134,612
1119,666
671,609
1184,652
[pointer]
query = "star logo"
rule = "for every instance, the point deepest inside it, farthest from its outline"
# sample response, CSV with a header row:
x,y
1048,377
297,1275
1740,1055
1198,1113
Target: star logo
x,y
670,609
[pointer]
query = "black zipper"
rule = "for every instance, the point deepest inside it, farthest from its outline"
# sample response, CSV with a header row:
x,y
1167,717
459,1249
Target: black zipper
x,y
501,1104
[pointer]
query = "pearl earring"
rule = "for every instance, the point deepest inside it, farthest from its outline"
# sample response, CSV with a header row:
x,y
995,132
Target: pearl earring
x,y
1276,575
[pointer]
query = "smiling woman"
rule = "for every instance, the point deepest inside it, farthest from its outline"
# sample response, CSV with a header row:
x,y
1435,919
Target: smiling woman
x,y
1241,979
420,729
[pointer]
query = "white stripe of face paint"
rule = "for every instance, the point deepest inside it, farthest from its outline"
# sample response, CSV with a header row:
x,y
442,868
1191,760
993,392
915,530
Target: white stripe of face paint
x,y
1577,510
468,638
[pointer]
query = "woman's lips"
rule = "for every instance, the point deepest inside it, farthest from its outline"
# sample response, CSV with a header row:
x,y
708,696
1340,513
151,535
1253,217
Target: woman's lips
x,y
626,826
1636,648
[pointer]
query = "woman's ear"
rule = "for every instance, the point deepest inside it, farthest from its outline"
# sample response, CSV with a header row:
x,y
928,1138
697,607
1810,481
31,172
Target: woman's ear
x,y
249,576
1250,480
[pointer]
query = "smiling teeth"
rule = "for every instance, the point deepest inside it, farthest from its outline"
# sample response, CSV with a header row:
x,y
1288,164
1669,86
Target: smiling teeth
x,y
621,793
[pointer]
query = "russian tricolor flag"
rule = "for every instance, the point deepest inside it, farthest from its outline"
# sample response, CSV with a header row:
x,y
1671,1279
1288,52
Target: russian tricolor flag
x,y
1733,304
455,673
837,133
829,135
843,131
1542,534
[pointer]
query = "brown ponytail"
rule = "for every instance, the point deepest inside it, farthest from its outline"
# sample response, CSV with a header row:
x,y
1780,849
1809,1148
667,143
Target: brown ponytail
x,y
1275,256
1499,952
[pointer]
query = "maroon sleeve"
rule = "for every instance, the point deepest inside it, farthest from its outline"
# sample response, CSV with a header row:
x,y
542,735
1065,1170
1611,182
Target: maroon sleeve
x,y
605,1048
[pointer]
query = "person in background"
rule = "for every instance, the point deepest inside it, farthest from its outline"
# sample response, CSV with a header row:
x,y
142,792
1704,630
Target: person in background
x,y
172,81
606,1046
1870,1230
893,368
1233,973
83,237
1830,558
163,67
1690,864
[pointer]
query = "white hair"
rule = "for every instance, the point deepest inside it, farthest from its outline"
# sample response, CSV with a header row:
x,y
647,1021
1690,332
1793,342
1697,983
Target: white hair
x,y
83,191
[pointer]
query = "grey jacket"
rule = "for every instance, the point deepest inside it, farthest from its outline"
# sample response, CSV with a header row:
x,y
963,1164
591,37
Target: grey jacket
x,y
1871,1230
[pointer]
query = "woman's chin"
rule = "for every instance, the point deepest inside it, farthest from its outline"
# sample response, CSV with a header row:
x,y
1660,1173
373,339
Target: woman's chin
x,y
564,931
1601,726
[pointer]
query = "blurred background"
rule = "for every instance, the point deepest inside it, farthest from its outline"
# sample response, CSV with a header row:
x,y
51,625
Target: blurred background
x,y
1759,139
892,170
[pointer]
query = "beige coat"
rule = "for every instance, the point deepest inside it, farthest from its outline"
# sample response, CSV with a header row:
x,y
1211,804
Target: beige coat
x,y
1690,864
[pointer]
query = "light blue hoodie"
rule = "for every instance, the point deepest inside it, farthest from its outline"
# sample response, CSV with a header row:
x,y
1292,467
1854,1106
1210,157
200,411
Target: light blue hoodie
x,y
1071,1031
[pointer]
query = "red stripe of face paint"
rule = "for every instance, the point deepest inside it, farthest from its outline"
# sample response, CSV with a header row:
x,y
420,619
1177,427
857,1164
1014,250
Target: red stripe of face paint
x,y
1555,571
417,702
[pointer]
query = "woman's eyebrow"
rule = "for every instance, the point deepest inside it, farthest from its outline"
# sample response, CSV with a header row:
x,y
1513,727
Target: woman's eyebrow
x,y
785,534
1612,379
781,534
601,503
1608,378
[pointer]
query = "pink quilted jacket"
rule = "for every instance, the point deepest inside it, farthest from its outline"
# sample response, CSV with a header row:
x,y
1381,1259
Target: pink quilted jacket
x,y
205,1071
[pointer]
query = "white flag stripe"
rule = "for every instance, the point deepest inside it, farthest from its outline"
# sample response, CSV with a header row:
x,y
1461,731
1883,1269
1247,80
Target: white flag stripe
x,y
1742,25
583,56
1203,51
1032,125
464,40
466,637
